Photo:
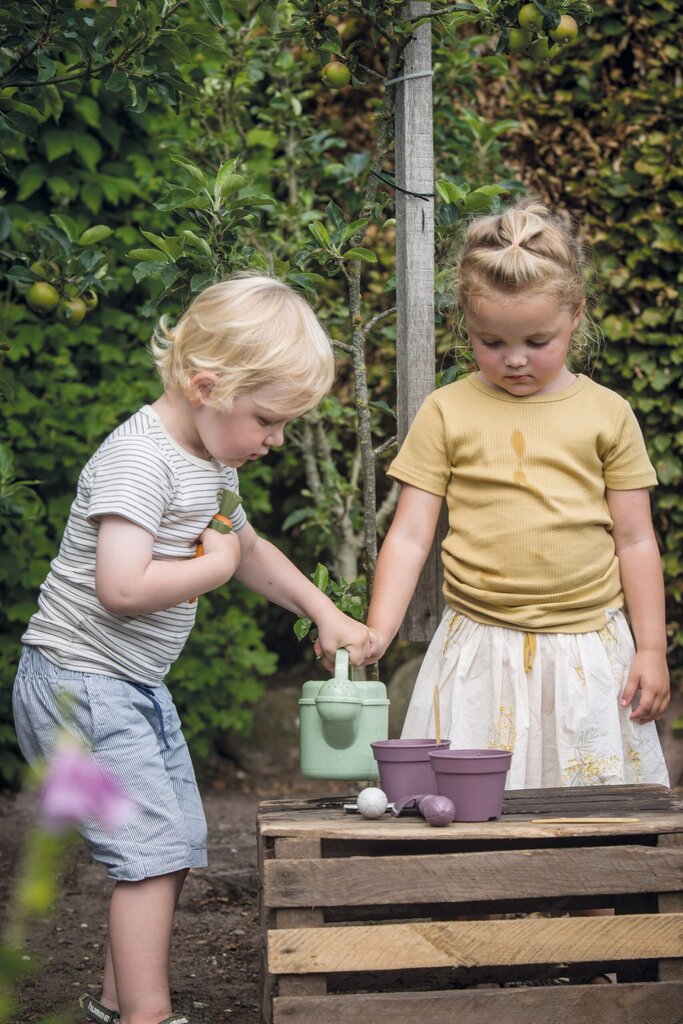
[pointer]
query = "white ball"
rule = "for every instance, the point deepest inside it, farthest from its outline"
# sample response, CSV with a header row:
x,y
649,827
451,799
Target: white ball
x,y
372,802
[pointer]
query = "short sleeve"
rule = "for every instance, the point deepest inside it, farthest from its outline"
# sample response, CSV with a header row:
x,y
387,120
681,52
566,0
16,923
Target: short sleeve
x,y
423,460
626,464
130,478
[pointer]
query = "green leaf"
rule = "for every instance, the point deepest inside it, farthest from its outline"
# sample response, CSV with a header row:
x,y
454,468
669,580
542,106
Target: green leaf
x,y
320,233
148,255
29,181
321,577
88,149
179,197
57,144
263,137
97,233
302,628
172,246
196,172
68,226
214,9
360,254
227,181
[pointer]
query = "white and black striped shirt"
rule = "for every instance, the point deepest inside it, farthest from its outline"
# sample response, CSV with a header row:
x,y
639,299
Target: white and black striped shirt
x,y
139,473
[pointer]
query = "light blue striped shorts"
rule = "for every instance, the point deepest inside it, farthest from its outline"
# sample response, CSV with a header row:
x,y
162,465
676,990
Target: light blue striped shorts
x,y
139,742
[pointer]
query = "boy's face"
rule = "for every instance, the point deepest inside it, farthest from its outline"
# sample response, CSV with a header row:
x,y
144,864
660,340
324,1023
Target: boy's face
x,y
245,433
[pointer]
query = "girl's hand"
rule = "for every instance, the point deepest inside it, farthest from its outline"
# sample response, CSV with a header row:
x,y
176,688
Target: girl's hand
x,y
649,675
337,630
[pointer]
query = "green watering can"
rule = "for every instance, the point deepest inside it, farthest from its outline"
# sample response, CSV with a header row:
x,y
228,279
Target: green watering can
x,y
339,719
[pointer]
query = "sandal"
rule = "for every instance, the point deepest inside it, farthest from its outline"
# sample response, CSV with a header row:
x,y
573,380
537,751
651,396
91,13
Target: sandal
x,y
94,1010
180,1018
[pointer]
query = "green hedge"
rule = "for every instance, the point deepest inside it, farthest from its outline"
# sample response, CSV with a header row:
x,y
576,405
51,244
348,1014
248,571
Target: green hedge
x,y
602,136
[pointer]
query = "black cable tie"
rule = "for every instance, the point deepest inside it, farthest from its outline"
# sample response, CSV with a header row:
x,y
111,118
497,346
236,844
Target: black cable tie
x,y
392,184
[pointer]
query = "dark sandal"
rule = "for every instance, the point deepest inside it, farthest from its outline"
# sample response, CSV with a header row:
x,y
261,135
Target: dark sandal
x,y
180,1018
96,1011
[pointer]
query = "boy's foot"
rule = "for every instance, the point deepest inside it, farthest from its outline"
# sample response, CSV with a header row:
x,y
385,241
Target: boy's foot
x,y
94,1010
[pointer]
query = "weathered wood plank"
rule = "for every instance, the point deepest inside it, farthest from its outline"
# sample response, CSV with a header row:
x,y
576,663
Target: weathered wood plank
x,y
612,799
307,917
658,1003
468,877
434,944
669,903
337,825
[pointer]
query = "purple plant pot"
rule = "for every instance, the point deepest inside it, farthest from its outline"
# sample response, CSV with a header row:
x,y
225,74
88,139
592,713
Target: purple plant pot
x,y
473,779
404,766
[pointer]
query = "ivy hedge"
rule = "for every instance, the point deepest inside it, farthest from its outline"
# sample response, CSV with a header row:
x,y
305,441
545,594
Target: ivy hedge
x,y
601,135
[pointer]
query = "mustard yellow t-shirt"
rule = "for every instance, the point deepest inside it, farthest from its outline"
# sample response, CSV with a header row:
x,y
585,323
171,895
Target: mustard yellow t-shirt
x,y
529,543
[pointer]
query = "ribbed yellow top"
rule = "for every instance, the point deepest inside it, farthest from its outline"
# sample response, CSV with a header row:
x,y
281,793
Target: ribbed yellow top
x,y
529,544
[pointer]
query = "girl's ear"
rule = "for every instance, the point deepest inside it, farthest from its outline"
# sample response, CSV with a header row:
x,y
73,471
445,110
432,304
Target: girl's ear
x,y
200,388
577,316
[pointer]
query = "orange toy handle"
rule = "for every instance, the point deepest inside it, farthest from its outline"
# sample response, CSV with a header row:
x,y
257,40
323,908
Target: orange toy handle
x,y
198,554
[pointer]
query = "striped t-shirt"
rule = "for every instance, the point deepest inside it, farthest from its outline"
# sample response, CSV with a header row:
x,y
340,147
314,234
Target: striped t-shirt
x,y
140,473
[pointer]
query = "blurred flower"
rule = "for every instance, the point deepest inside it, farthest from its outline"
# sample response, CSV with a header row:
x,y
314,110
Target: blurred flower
x,y
76,787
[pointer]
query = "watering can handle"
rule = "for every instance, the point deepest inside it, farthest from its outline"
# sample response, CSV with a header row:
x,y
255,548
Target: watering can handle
x,y
341,664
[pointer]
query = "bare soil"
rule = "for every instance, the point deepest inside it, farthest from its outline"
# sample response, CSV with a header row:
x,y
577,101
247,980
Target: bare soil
x,y
215,957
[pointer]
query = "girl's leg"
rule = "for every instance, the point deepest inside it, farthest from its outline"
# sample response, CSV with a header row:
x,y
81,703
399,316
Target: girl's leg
x,y
140,925
109,996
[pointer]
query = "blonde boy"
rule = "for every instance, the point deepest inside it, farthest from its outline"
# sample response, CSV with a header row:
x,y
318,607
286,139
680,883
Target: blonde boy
x,y
118,604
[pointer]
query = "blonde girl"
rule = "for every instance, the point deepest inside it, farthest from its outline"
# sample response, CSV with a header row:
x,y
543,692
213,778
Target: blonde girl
x,y
550,541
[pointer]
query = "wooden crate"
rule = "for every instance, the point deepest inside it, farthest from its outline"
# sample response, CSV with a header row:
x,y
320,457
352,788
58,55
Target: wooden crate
x,y
390,921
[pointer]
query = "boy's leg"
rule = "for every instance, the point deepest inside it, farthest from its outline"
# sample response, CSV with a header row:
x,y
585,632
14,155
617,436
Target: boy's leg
x,y
140,925
109,996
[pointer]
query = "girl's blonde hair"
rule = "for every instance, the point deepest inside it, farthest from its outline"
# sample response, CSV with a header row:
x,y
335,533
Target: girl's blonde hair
x,y
251,331
527,249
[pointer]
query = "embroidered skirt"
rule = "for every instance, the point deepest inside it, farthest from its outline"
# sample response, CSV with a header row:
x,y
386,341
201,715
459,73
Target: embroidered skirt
x,y
551,698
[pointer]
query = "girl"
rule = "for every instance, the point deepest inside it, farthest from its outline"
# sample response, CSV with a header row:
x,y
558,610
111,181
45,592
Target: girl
x,y
546,477
120,599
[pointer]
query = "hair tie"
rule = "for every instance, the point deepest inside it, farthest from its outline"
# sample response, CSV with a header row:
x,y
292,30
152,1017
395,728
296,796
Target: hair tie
x,y
514,243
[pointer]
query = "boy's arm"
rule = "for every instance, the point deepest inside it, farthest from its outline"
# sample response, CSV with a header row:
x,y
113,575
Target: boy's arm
x,y
129,581
267,571
642,581
401,560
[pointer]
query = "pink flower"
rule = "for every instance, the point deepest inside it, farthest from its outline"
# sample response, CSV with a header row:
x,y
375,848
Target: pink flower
x,y
77,788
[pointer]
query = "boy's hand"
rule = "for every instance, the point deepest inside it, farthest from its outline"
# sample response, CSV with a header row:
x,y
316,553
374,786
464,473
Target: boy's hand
x,y
650,675
222,546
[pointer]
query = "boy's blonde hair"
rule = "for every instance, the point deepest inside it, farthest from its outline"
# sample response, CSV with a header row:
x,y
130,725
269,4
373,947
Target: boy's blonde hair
x,y
527,249
251,331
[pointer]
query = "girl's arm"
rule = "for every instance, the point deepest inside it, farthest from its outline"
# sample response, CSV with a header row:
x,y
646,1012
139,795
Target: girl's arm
x,y
401,559
129,581
641,578
267,571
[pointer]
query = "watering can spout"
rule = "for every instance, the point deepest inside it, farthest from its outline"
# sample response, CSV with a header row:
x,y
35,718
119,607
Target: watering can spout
x,y
339,701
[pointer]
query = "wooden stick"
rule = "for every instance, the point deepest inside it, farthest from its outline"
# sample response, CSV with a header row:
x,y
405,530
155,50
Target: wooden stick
x,y
437,716
582,821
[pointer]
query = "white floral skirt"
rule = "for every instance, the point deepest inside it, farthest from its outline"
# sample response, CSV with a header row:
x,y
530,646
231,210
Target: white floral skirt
x,y
551,698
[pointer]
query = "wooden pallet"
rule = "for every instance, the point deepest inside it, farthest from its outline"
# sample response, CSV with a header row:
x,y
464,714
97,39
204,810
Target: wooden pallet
x,y
390,920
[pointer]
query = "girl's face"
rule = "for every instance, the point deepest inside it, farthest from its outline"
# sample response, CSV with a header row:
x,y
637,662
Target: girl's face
x,y
521,342
245,433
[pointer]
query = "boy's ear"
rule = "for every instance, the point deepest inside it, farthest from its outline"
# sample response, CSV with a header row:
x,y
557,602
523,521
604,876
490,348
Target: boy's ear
x,y
200,387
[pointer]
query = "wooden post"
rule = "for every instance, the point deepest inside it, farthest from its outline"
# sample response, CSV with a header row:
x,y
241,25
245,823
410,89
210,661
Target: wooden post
x,y
415,346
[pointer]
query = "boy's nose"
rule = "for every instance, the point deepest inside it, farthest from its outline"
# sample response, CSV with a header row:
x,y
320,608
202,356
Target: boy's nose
x,y
276,437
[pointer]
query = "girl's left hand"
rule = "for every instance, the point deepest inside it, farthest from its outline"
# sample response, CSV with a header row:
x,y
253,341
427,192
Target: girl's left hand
x,y
649,675
337,630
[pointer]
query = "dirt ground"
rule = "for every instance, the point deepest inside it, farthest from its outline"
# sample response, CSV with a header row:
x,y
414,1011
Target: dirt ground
x,y
215,958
